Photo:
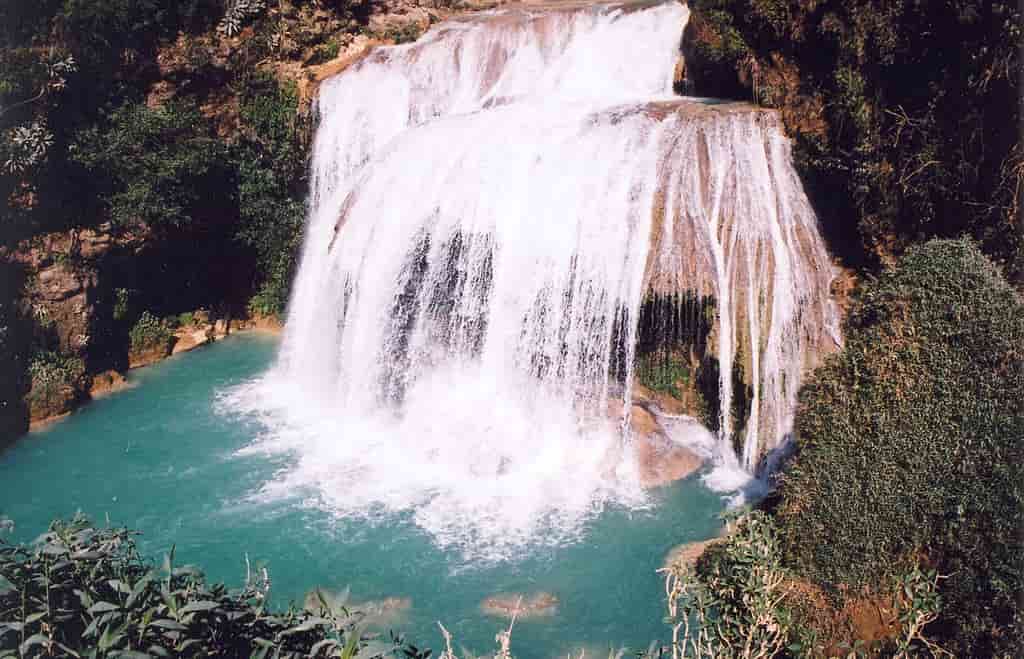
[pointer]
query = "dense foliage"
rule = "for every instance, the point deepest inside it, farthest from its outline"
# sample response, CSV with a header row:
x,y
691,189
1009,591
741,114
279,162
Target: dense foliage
x,y
51,372
912,446
153,167
905,113
86,592
271,156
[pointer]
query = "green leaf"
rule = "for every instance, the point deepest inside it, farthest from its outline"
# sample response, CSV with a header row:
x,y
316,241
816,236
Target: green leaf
x,y
322,645
201,605
103,607
166,623
138,589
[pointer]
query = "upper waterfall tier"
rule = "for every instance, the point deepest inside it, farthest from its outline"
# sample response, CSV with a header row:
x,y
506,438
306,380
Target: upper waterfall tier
x,y
493,209
599,54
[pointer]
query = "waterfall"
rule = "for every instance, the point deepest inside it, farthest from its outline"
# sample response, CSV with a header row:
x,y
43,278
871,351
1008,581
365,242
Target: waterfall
x,y
491,209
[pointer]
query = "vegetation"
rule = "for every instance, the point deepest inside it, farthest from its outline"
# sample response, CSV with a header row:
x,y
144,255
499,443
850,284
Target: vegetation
x,y
740,600
54,378
271,156
911,447
85,592
900,136
149,333
153,167
731,605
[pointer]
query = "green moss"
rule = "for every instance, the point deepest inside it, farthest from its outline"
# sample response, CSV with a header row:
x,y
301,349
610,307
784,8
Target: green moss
x,y
664,373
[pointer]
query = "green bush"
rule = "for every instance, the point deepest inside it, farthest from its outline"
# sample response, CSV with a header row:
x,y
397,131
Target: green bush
x,y
149,332
154,166
731,604
51,373
911,446
86,592
272,159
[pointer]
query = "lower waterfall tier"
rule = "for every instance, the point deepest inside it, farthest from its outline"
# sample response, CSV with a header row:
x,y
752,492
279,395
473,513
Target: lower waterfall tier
x,y
522,242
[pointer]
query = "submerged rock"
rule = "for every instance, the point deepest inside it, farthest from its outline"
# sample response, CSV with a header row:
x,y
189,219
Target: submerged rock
x,y
507,605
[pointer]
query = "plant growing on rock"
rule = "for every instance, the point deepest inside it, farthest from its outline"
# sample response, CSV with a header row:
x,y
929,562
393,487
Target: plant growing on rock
x,y
149,333
55,378
155,167
899,136
272,157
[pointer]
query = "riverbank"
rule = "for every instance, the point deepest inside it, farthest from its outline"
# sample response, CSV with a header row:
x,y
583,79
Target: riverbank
x,y
198,334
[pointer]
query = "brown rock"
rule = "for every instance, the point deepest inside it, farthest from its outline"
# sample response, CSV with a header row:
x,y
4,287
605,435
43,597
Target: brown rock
x,y
189,338
662,461
139,358
53,403
106,382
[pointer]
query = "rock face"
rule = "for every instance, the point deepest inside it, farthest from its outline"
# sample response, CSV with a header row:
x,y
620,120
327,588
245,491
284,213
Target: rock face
x,y
149,355
106,382
62,285
51,404
661,461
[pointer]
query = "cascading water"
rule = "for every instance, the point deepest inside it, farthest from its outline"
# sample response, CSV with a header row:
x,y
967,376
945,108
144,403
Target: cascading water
x,y
491,207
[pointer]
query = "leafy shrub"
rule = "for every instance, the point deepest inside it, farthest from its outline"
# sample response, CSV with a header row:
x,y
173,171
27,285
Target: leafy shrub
x,y
86,592
52,373
404,32
148,333
911,446
237,13
732,603
121,298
